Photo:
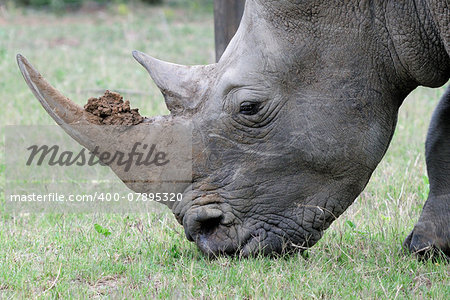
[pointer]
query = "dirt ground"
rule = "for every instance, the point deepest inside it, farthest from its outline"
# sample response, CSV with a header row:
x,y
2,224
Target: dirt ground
x,y
111,109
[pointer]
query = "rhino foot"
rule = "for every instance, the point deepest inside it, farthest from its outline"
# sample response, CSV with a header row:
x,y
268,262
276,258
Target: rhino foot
x,y
431,235
424,242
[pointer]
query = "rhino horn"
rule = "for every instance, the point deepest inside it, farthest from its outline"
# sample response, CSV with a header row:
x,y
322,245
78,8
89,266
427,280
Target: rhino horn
x,y
81,126
181,86
59,107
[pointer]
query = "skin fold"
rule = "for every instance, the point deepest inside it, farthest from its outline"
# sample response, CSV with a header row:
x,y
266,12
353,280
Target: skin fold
x,y
291,122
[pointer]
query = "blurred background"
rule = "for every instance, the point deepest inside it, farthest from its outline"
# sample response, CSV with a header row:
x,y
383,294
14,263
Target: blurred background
x,y
84,47
64,5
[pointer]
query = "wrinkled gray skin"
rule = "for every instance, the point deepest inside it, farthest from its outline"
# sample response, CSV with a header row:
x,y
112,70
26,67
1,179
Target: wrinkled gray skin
x,y
291,122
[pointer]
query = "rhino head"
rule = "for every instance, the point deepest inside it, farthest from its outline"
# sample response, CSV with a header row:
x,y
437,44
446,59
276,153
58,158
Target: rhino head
x,y
287,127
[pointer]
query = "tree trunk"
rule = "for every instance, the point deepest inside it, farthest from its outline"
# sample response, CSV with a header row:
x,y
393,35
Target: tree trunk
x,y
227,16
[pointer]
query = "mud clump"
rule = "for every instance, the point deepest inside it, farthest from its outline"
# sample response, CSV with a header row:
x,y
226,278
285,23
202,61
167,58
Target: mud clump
x,y
110,109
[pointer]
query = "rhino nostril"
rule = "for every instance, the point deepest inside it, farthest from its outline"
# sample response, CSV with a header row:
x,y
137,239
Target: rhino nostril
x,y
209,226
201,221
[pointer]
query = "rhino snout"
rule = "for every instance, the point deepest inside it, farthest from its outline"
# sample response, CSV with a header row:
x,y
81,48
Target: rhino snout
x,y
201,220
212,230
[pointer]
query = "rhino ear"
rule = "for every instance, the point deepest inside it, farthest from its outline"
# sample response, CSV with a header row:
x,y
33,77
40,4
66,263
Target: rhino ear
x,y
182,86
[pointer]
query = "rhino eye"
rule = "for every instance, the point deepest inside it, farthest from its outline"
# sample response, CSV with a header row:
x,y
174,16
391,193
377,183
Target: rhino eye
x,y
249,108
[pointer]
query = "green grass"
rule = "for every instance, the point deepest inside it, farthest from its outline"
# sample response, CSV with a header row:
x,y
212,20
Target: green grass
x,y
61,255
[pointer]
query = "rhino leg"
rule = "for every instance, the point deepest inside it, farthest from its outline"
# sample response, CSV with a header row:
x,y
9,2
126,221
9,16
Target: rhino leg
x,y
431,234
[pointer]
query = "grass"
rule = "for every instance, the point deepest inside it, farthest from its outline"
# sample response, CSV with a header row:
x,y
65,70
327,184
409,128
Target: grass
x,y
62,255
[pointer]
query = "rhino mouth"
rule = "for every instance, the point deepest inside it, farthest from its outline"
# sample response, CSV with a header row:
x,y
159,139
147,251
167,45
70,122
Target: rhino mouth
x,y
251,244
217,231
211,223
211,242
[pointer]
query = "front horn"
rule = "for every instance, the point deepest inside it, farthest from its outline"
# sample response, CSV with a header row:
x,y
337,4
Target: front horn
x,y
172,135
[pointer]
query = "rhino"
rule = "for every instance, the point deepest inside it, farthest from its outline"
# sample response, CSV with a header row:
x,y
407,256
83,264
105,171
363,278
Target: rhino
x,y
290,123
